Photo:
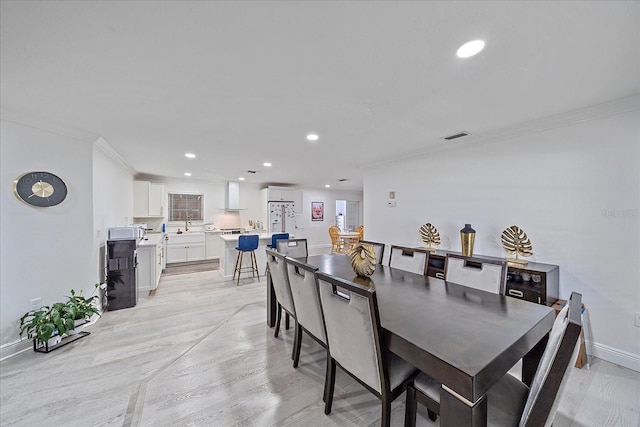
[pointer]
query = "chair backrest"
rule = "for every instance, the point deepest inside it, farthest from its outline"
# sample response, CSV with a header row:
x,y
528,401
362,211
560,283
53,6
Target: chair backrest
x,y
556,365
378,247
414,260
352,324
280,279
360,230
294,248
248,242
481,273
304,289
276,237
335,238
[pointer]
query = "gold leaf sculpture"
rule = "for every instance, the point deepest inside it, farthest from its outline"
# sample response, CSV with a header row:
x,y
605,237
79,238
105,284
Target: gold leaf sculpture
x,y
515,241
363,259
429,236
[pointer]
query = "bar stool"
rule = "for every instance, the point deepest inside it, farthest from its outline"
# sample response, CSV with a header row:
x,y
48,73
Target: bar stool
x,y
248,243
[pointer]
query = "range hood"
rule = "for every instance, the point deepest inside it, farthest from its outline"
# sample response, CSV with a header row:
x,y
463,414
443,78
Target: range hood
x,y
233,197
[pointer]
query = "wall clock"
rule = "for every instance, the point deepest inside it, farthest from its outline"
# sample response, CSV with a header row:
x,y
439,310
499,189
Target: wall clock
x,y
42,189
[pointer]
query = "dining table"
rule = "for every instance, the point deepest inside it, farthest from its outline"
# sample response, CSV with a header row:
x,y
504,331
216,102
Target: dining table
x,y
348,239
464,338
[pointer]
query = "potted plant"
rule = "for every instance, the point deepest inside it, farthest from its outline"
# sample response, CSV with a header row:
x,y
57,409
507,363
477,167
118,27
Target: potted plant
x,y
47,325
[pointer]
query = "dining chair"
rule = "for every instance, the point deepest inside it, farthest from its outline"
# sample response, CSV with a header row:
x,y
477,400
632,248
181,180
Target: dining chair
x,y
481,273
280,280
336,242
304,290
378,247
414,260
247,243
360,230
355,343
510,402
294,248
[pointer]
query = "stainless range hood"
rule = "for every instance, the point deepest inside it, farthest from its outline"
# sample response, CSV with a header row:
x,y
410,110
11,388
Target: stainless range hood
x,y
233,197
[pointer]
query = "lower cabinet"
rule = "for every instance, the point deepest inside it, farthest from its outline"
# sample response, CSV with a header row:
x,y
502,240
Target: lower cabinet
x,y
212,243
150,262
185,252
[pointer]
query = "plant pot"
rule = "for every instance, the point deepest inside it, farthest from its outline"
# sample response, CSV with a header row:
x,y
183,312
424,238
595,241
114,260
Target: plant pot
x,y
78,325
54,340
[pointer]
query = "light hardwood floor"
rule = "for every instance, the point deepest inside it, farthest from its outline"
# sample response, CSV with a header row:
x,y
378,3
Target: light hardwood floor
x,y
199,353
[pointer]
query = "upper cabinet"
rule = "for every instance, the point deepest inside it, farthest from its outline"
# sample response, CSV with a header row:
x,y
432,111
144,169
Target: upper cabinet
x,y
280,194
149,199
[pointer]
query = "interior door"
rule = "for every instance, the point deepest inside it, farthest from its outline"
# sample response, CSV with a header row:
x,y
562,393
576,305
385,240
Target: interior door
x,y
352,219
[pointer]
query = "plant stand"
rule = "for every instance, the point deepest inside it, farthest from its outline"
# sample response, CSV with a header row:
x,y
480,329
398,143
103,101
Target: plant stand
x,y
46,348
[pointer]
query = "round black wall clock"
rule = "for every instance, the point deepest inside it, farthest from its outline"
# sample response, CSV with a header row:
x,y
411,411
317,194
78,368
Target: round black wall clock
x,y
42,189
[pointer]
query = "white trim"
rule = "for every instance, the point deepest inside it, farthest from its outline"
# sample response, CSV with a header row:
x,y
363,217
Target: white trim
x,y
14,348
613,355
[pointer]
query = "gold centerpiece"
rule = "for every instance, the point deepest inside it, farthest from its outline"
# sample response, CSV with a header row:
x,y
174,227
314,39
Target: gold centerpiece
x,y
515,241
430,236
363,259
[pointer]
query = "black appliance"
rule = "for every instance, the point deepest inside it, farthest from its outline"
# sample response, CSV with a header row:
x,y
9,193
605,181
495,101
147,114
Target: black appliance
x,y
122,262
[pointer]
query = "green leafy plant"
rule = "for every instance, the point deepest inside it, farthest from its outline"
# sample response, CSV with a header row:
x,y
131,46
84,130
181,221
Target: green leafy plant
x,y
58,319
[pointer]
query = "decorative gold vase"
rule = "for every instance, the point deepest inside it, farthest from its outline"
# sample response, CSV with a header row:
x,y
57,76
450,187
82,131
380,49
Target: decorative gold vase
x,y
363,259
467,237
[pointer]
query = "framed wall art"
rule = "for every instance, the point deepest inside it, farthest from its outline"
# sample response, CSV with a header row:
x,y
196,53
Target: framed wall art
x,y
317,211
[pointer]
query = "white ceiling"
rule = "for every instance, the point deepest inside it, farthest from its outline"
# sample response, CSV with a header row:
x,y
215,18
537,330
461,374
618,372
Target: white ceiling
x,y
241,83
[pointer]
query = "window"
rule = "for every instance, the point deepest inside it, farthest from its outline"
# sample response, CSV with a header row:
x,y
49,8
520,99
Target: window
x,y
183,207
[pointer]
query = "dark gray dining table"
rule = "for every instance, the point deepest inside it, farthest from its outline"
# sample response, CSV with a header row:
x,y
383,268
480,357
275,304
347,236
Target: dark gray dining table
x,y
465,338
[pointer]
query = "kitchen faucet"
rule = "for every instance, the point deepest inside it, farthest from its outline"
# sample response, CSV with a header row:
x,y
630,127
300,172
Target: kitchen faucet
x,y
186,224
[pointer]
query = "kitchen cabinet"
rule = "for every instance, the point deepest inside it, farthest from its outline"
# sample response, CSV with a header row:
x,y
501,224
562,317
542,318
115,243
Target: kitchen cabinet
x,y
212,245
275,194
186,247
150,264
148,199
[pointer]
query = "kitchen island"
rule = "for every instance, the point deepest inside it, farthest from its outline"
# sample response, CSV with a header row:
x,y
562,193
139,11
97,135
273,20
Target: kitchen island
x,y
229,253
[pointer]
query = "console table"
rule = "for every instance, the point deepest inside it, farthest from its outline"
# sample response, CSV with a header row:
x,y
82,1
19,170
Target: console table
x,y
535,282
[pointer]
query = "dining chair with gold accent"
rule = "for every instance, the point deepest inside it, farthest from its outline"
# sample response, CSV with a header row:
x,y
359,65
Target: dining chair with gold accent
x,y
355,343
481,273
414,260
510,402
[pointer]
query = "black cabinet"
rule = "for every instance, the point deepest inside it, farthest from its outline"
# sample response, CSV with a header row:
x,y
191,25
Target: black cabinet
x,y
535,282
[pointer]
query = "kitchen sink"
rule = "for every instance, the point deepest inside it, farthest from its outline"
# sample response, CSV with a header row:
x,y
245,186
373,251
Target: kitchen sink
x,y
188,237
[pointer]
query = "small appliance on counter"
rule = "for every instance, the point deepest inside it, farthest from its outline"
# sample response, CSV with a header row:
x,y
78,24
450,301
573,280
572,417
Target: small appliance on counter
x,y
126,233
209,226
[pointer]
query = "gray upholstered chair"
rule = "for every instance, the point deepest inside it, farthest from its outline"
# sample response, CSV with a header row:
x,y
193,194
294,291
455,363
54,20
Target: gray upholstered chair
x,y
481,273
280,280
510,402
294,248
378,247
304,290
414,260
355,343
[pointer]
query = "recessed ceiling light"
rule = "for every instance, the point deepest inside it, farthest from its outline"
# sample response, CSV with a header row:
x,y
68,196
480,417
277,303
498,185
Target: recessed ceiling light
x,y
241,178
267,164
312,137
190,156
187,174
470,48
327,186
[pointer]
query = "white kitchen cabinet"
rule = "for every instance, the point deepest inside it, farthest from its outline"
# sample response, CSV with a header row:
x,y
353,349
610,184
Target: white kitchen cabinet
x,y
212,245
148,199
186,247
150,260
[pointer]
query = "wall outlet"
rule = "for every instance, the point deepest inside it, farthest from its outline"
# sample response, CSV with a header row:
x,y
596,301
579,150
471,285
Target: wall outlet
x,y
636,316
35,303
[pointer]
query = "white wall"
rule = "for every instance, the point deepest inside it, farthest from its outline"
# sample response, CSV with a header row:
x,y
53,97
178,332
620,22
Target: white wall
x,y
574,189
44,252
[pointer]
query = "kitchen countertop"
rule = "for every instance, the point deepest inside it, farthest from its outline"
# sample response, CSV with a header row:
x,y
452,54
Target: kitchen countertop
x,y
152,239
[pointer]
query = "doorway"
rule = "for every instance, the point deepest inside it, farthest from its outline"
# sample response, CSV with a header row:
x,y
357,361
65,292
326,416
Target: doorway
x,y
347,215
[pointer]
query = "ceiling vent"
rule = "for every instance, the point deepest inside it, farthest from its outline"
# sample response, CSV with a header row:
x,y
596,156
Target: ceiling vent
x,y
252,171
343,179
456,136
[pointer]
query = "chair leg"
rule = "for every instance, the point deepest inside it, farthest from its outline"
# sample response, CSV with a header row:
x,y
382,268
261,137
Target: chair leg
x,y
286,321
410,407
329,383
386,409
254,265
297,343
278,317
235,270
240,268
432,415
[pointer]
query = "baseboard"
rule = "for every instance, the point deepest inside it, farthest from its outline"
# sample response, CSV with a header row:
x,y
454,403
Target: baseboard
x,y
17,347
614,355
